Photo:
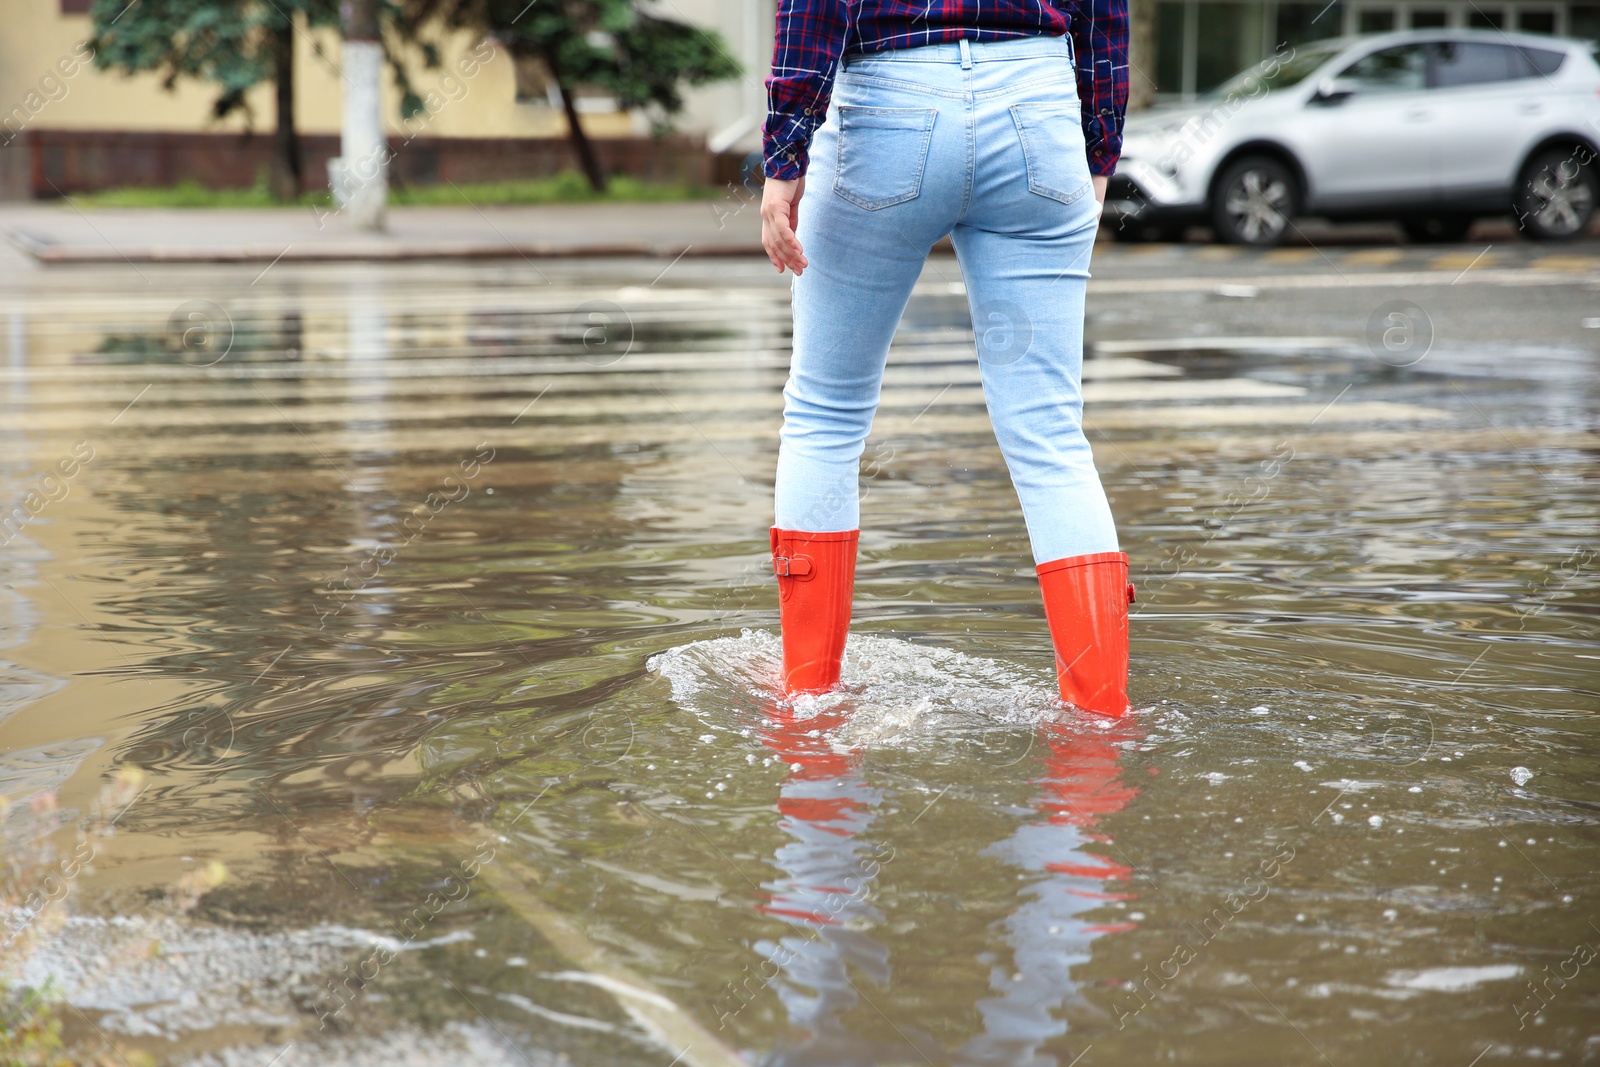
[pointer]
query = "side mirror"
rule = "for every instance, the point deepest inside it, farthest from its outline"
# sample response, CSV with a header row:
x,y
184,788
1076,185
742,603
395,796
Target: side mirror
x,y
1332,92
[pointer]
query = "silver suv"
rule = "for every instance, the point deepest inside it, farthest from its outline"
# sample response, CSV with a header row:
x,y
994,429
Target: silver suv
x,y
1430,128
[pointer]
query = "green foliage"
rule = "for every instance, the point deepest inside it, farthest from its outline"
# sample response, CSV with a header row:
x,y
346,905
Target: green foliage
x,y
190,193
614,45
566,187
226,42
656,55
30,1029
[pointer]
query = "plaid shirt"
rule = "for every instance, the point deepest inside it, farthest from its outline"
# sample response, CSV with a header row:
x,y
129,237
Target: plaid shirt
x,y
813,34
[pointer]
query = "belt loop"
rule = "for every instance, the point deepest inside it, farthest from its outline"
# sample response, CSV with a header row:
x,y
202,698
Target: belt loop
x,y
966,54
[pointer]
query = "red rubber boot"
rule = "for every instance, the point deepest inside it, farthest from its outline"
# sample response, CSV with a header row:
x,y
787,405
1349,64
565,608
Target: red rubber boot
x,y
1086,601
816,577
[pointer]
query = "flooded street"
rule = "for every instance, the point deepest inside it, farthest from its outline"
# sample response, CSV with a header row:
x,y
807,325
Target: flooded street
x,y
390,654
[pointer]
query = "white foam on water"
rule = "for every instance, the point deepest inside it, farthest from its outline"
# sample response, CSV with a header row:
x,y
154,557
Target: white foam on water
x,y
898,694
398,1045
1451,979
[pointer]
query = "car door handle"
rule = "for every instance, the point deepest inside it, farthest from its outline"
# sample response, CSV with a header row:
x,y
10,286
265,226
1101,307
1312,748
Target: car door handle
x,y
1418,115
1532,107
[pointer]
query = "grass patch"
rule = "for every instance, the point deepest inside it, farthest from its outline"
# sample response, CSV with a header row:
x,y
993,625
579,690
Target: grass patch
x,y
189,194
567,187
30,1029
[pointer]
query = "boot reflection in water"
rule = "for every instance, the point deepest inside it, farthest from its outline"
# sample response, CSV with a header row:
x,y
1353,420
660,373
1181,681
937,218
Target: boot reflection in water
x,y
1047,932
825,806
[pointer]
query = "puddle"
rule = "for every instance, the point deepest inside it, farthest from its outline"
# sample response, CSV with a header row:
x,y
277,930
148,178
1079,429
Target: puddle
x,y
411,578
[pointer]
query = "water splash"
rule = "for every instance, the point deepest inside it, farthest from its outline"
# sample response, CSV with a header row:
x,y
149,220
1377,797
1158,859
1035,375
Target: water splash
x,y
894,693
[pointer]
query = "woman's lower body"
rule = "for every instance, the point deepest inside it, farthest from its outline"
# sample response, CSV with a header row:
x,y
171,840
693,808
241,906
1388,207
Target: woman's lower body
x,y
983,142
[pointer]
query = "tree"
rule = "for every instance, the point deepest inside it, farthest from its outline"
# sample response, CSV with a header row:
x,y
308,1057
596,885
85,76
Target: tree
x,y
234,44
617,46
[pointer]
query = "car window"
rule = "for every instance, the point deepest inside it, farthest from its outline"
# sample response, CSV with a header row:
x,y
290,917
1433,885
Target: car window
x,y
1543,60
1457,63
1390,70
1277,72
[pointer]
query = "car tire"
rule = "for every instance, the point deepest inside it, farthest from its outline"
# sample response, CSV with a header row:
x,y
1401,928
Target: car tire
x,y
1556,196
1437,229
1255,202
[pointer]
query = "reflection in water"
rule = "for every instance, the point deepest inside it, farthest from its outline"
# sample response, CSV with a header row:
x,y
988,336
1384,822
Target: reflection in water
x,y
1047,932
826,806
1402,628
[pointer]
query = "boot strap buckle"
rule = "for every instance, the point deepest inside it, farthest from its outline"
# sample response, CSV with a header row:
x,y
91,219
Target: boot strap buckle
x,y
1130,592
791,566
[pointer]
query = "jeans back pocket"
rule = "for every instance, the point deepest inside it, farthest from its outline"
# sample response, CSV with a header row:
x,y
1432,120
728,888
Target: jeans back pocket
x,y
882,154
1053,148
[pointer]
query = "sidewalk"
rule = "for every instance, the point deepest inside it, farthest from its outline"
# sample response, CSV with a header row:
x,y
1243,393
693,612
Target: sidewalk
x,y
57,233
45,234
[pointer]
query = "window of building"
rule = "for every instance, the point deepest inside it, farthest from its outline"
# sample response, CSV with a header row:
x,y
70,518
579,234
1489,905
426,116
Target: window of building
x,y
1390,70
1170,25
533,82
1429,18
1536,21
1299,23
1375,20
1486,18
1200,44
1231,38
1583,22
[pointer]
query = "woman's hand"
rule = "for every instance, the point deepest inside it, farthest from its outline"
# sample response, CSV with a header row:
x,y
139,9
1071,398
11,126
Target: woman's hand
x,y
1100,183
780,214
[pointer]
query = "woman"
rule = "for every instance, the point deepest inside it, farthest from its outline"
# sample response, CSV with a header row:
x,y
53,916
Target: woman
x,y
961,118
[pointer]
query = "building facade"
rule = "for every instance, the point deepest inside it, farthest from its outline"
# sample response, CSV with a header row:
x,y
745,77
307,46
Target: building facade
x,y
53,100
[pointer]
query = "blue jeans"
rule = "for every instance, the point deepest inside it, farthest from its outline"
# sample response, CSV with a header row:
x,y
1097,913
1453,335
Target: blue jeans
x,y
982,141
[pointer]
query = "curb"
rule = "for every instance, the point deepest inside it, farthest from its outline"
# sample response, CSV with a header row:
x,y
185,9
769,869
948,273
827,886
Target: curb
x,y
51,254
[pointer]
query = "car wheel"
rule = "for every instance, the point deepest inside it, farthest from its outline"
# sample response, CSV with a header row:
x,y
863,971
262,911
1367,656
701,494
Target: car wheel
x,y
1556,196
1437,229
1254,202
